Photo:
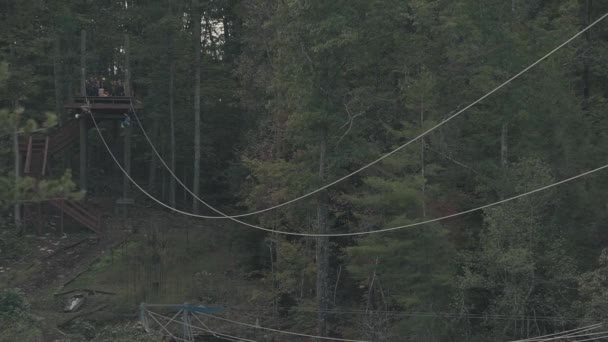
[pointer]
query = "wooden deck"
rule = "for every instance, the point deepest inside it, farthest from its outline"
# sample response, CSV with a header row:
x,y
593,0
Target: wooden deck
x,y
105,107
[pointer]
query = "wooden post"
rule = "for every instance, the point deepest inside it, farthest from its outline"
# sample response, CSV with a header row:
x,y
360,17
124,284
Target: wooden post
x,y
83,153
83,61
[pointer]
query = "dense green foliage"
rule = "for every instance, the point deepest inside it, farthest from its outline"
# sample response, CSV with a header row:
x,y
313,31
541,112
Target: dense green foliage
x,y
297,93
15,317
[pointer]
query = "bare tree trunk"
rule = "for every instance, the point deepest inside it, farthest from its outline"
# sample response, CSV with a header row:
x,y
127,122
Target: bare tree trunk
x,y
184,192
83,62
422,170
503,144
127,82
274,279
172,133
322,244
82,167
337,282
126,185
586,47
17,210
58,79
171,113
153,163
197,104
163,175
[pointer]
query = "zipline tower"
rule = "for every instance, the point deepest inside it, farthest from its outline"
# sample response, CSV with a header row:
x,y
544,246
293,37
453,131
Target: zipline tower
x,y
37,149
105,108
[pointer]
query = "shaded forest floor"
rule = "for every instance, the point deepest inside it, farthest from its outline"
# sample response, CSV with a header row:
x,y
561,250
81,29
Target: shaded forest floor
x,y
151,257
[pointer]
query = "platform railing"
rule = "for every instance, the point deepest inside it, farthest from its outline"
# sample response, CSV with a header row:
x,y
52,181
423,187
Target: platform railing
x,y
103,99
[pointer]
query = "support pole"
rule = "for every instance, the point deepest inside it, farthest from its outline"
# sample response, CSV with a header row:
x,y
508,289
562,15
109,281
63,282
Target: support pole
x,y
143,317
188,336
83,153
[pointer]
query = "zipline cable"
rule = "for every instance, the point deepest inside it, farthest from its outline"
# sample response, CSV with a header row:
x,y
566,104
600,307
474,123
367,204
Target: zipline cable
x,y
595,338
341,234
449,118
561,334
338,310
412,314
215,333
573,333
279,331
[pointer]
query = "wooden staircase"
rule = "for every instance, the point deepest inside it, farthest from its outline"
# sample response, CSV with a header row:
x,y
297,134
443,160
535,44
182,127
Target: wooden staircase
x,y
37,149
36,155
81,213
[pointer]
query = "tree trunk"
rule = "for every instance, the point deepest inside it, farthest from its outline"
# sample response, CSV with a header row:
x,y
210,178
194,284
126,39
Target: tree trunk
x,y
503,144
587,48
83,61
197,105
58,79
126,185
17,209
171,113
422,170
127,82
153,163
322,244
172,133
82,169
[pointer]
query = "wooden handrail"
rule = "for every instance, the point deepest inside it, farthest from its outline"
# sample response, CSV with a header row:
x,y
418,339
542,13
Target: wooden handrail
x,y
46,154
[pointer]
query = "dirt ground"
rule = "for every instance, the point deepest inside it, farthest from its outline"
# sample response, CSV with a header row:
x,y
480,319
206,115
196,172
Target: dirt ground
x,y
194,263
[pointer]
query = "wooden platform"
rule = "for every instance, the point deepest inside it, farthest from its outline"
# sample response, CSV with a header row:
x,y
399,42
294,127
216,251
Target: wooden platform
x,y
108,107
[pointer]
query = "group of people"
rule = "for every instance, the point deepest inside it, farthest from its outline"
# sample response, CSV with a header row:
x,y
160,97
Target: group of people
x,y
102,87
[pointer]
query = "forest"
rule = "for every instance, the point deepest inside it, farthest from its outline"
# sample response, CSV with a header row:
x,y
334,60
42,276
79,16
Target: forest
x,y
344,170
